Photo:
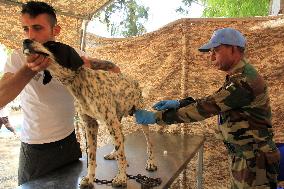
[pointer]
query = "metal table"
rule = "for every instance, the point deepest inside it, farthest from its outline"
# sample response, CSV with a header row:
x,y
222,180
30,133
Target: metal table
x,y
180,149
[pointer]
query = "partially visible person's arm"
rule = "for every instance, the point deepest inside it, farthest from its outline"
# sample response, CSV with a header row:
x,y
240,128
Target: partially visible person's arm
x,y
234,95
11,84
97,64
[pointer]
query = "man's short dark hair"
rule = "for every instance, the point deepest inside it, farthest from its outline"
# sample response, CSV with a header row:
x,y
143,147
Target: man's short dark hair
x,y
35,8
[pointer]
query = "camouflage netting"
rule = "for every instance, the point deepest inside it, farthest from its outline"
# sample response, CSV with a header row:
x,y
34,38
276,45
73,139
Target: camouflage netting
x,y
168,66
70,16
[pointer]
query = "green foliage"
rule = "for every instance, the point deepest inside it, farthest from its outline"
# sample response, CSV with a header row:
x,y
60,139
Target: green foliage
x,y
235,8
132,17
184,9
127,18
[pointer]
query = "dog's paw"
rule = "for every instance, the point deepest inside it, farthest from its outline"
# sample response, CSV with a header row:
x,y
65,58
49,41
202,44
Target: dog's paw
x,y
150,166
111,156
119,181
85,184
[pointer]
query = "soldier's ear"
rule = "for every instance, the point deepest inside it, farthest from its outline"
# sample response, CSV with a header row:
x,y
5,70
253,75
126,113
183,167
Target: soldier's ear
x,y
56,30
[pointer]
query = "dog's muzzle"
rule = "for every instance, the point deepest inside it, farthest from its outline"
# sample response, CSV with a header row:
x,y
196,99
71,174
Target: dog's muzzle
x,y
29,49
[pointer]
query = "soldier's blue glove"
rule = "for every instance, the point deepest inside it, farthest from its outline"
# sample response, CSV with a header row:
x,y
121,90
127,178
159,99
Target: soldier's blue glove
x,y
145,117
166,104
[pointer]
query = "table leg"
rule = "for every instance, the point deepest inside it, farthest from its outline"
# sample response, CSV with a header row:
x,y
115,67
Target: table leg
x,y
200,168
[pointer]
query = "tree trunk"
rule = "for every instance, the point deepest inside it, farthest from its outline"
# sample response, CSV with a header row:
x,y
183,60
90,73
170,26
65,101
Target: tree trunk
x,y
276,7
281,11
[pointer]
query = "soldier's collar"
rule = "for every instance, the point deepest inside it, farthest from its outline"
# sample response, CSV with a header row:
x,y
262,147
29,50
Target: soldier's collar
x,y
238,68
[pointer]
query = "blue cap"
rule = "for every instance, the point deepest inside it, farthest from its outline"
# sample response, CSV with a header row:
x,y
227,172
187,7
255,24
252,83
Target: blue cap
x,y
226,36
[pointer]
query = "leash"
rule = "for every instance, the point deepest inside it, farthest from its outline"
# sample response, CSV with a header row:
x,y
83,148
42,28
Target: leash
x,y
146,182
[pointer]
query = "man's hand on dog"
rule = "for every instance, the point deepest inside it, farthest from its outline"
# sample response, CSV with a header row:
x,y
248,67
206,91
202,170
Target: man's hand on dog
x,y
38,62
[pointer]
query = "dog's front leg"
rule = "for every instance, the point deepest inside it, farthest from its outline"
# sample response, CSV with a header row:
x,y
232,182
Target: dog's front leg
x,y
150,165
91,129
115,130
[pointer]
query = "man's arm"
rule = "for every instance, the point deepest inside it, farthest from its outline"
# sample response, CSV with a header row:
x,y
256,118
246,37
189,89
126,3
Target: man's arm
x,y
97,64
12,84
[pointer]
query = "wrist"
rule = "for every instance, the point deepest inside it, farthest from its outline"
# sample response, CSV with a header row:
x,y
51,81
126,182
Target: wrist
x,y
177,103
170,116
159,117
26,71
186,101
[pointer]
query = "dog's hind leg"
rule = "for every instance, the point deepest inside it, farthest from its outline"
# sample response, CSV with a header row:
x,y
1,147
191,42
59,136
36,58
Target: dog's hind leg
x,y
150,165
91,129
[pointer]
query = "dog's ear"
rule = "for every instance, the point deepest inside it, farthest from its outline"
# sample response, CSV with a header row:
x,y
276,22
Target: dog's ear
x,y
46,77
65,55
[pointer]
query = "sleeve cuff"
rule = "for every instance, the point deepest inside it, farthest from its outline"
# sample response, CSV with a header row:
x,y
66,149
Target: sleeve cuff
x,y
186,101
168,117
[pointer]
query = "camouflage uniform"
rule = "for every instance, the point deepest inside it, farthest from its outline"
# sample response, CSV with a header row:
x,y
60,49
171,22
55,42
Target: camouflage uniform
x,y
244,124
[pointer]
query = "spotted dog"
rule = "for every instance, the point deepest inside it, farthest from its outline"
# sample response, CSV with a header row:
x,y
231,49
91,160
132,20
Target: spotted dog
x,y
100,95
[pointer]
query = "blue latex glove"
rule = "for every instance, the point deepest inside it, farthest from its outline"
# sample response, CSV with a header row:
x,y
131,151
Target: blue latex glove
x,y
166,104
145,117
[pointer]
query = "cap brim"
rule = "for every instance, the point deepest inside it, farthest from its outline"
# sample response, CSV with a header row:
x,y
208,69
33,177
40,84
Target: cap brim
x,y
208,46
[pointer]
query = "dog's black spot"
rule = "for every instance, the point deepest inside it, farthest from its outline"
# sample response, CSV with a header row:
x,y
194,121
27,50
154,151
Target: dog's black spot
x,y
65,55
46,77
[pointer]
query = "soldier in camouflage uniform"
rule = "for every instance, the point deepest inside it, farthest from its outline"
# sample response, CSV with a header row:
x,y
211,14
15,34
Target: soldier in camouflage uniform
x,y
243,109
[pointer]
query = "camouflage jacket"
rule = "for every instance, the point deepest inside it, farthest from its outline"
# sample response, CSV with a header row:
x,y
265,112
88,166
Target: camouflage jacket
x,y
243,109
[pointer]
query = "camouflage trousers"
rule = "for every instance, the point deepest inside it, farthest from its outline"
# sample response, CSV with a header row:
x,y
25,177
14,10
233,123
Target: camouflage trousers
x,y
259,172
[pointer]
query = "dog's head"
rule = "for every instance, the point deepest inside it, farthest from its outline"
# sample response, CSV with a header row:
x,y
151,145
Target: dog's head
x,y
60,53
